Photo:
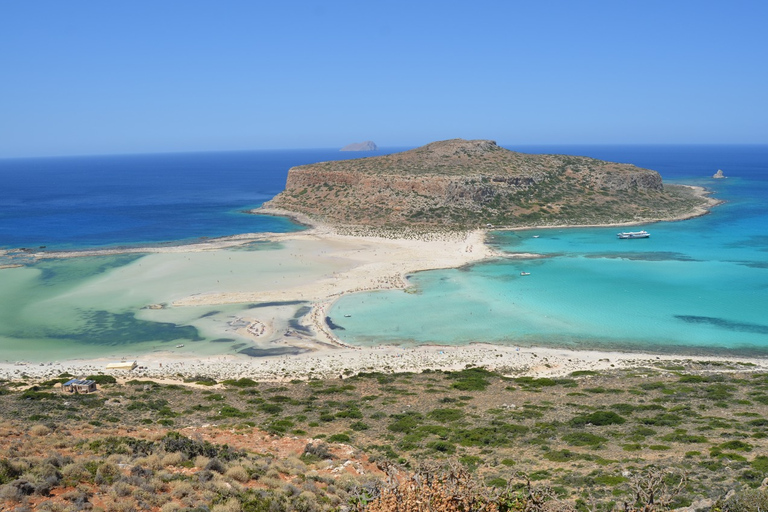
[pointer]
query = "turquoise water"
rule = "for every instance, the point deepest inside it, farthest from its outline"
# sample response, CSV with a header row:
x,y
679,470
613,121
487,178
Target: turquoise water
x,y
697,285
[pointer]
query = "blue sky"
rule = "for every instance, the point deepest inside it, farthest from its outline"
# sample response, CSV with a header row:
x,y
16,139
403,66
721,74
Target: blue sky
x,y
90,77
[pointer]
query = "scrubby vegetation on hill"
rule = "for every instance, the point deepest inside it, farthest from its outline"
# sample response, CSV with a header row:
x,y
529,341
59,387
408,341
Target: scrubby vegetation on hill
x,y
645,439
459,184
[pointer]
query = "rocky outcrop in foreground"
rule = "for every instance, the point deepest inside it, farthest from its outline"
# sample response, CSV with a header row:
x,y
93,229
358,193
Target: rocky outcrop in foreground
x,y
464,184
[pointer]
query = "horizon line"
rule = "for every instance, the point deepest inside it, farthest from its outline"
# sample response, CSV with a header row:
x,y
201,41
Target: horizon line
x,y
379,148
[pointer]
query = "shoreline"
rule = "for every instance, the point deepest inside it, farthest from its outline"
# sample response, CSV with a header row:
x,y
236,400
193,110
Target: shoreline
x,y
370,263
318,228
341,363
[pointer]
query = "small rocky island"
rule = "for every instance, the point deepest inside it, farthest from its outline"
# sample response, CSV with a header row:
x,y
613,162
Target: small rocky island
x,y
466,184
368,145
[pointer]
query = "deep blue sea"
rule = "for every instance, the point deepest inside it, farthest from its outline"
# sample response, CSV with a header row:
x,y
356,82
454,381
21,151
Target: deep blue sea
x,y
96,201
696,285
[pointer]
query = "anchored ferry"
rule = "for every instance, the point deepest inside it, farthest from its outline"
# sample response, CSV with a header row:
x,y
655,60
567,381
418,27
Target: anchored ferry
x,y
634,234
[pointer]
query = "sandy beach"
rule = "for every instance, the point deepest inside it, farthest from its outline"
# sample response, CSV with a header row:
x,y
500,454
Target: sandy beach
x,y
357,263
346,361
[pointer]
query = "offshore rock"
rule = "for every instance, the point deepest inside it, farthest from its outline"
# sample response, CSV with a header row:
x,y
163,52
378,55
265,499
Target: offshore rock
x,y
360,146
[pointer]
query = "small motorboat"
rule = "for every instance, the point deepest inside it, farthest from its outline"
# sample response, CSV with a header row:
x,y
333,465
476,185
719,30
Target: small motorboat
x,y
628,235
180,345
525,273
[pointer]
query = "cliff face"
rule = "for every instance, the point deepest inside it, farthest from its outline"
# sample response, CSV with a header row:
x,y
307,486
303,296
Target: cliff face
x,y
464,184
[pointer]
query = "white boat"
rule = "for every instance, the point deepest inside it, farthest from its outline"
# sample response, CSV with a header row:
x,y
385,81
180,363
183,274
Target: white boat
x,y
180,346
633,234
525,273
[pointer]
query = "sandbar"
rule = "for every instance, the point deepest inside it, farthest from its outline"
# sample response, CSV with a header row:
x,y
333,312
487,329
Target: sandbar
x,y
351,264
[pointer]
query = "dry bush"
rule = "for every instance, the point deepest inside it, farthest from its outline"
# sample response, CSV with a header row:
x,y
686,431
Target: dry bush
x,y
654,489
292,466
750,500
117,458
11,493
451,489
146,498
305,502
428,491
55,506
170,507
121,489
181,489
107,473
201,461
151,461
73,474
39,431
238,473
272,473
173,459
231,505
119,505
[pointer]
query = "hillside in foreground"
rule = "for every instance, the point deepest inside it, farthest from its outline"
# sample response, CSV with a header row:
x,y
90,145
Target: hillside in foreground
x,y
685,433
465,184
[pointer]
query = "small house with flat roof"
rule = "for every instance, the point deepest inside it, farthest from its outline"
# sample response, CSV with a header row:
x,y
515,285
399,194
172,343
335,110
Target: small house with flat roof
x,y
78,386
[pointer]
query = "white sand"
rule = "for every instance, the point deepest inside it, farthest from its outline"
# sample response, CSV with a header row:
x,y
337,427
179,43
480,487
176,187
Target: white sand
x,y
358,264
347,361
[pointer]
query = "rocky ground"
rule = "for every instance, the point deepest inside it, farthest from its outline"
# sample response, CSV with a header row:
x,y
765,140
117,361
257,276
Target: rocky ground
x,y
589,440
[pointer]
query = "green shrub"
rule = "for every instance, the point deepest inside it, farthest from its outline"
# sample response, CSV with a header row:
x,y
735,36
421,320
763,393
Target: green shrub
x,y
563,455
597,418
270,408
582,373
102,379
496,482
471,379
442,447
350,413
405,422
494,435
760,463
681,436
471,462
737,445
241,383
444,415
583,439
228,411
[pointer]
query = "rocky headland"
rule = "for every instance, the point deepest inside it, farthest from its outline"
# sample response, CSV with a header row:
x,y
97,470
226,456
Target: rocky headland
x,y
467,184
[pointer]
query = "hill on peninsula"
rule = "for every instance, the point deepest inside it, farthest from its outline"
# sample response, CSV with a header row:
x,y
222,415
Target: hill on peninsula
x,y
465,184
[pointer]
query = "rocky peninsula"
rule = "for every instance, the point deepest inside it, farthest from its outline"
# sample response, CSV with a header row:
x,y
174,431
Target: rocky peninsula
x,y
467,184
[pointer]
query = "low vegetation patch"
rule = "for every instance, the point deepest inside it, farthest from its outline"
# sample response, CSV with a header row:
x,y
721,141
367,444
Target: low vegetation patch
x,y
584,442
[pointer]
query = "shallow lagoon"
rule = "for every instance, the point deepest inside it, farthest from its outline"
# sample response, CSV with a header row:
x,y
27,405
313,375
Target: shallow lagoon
x,y
98,306
700,284
696,285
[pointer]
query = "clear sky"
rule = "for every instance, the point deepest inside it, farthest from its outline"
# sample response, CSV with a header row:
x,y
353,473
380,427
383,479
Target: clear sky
x,y
95,77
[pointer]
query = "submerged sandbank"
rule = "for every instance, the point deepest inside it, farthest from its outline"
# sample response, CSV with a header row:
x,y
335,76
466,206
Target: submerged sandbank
x,y
313,267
